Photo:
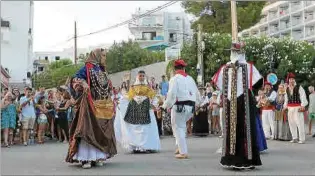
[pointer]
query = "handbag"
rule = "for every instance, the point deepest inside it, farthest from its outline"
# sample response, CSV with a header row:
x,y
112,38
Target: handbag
x,y
104,109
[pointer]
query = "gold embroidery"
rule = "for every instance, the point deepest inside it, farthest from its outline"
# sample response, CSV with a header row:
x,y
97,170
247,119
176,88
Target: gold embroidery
x,y
233,110
141,90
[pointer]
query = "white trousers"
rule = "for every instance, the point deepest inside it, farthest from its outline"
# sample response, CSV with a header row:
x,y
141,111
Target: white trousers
x,y
268,118
221,120
296,121
178,121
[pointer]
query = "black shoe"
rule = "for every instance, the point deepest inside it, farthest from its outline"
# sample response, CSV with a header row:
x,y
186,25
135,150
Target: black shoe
x,y
313,136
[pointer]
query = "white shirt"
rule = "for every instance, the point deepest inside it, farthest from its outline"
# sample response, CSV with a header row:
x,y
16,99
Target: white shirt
x,y
28,111
303,99
182,88
255,78
272,97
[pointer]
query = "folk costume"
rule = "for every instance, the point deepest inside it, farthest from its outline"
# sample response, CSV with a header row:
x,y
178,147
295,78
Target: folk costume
x,y
266,104
295,101
235,79
136,120
282,129
200,120
182,97
92,138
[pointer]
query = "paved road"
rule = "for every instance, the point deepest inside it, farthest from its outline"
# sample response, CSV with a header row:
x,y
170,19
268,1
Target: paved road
x,y
48,159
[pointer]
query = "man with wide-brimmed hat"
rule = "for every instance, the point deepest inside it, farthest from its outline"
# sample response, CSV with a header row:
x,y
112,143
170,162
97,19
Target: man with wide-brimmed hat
x,y
295,101
235,80
182,97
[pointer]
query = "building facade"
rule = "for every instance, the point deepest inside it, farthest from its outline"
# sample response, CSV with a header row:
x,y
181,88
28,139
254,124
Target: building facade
x,y
293,19
17,38
4,78
161,30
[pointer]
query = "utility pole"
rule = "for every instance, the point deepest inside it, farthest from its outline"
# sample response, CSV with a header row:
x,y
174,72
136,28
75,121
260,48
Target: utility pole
x,y
75,43
200,64
234,21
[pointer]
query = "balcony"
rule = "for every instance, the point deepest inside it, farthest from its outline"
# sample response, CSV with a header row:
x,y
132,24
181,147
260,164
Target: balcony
x,y
309,31
284,10
284,24
308,3
272,15
296,19
296,5
297,34
309,16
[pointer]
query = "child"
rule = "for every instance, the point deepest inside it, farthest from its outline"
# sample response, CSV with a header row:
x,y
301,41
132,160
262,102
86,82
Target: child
x,y
214,106
42,119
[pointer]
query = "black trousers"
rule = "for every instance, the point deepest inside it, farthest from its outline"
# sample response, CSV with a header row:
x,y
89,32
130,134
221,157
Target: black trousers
x,y
159,123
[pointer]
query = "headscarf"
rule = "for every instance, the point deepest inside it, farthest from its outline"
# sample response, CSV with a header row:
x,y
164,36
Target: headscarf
x,y
138,82
95,57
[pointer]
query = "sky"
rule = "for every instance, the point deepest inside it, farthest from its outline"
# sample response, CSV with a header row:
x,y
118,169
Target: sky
x,y
54,21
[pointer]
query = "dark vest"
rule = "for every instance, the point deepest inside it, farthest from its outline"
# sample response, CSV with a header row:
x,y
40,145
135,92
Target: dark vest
x,y
294,98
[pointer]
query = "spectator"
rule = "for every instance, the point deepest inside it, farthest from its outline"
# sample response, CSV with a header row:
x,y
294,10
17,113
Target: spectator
x,y
51,100
4,92
164,86
62,120
42,119
8,118
28,114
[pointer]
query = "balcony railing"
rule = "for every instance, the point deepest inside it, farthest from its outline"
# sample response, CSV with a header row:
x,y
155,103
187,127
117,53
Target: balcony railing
x,y
308,3
272,15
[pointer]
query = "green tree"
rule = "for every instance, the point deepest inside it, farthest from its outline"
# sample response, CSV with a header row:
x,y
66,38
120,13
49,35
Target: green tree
x,y
216,16
60,63
120,56
289,56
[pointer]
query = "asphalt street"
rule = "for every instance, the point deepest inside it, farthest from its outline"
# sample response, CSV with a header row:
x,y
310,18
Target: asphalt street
x,y
282,158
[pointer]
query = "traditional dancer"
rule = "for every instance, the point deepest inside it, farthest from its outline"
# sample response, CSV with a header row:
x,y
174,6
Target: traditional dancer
x,y
268,115
92,138
235,79
295,102
136,120
200,120
282,129
182,97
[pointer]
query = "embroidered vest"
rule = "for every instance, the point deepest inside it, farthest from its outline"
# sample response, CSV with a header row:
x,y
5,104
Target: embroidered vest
x,y
294,98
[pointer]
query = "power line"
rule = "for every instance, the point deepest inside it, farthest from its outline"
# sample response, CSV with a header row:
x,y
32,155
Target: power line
x,y
122,23
132,19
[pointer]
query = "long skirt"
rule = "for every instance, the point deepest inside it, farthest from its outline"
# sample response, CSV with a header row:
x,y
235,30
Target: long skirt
x,y
239,157
261,140
201,124
142,137
282,129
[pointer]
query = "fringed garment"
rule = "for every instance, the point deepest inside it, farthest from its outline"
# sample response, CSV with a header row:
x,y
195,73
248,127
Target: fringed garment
x,y
239,149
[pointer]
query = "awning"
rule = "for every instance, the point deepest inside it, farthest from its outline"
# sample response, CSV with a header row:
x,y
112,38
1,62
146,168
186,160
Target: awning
x,y
157,46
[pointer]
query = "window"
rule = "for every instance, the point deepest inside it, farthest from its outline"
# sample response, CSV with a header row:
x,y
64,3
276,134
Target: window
x,y
173,37
148,35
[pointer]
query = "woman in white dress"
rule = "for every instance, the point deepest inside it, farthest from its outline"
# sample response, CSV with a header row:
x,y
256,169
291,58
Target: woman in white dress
x,y
135,123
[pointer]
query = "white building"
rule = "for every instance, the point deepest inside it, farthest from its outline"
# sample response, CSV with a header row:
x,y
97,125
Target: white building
x,y
67,53
160,30
17,38
294,19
